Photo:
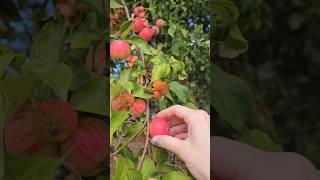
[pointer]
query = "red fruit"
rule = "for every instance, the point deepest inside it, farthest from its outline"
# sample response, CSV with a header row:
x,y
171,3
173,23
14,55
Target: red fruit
x,y
138,25
141,8
122,102
119,49
138,10
88,147
100,60
160,23
142,15
146,33
159,126
55,121
156,95
161,86
132,59
19,136
138,108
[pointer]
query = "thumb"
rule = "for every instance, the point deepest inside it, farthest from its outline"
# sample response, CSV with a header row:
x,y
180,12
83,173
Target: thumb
x,y
169,143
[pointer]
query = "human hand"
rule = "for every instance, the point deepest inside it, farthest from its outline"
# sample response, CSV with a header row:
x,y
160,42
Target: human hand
x,y
189,138
236,161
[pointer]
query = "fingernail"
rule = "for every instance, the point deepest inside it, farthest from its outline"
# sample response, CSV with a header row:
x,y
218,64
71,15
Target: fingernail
x,y
155,141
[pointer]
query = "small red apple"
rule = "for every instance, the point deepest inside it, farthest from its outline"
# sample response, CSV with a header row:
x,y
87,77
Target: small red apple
x,y
119,49
138,10
138,25
160,23
146,33
132,59
156,95
138,108
159,126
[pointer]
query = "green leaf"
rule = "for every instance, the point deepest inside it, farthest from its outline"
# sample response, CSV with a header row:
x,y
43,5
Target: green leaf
x,y
92,97
260,140
80,75
127,153
38,167
141,92
116,121
172,29
148,168
174,175
9,57
114,4
234,45
229,6
47,44
125,170
160,71
83,39
166,168
58,77
159,155
18,88
96,4
232,98
133,129
181,91
141,44
125,28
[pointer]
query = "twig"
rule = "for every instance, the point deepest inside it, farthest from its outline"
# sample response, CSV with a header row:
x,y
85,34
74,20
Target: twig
x,y
176,166
126,9
126,143
142,58
146,143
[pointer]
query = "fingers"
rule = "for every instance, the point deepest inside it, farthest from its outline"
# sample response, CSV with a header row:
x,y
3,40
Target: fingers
x,y
231,158
183,128
182,136
169,143
179,111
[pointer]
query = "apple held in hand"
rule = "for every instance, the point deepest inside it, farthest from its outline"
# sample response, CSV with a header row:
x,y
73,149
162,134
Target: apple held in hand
x,y
159,126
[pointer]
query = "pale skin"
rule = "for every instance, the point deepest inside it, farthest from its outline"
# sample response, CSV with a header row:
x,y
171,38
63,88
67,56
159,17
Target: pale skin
x,y
190,140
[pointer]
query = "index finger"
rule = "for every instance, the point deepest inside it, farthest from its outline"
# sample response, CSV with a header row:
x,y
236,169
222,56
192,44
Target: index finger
x,y
179,111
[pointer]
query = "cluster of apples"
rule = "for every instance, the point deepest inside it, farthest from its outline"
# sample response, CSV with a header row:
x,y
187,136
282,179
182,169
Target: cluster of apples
x,y
127,102
53,128
141,25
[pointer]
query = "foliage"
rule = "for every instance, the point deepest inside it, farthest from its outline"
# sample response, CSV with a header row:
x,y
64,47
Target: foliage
x,y
283,65
57,67
230,96
174,57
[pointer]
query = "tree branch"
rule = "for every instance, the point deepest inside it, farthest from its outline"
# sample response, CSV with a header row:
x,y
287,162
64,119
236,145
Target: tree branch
x,y
146,143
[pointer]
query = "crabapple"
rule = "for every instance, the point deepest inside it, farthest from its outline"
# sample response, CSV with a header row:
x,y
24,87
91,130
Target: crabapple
x,y
119,49
160,23
138,25
161,86
159,126
156,95
146,33
138,108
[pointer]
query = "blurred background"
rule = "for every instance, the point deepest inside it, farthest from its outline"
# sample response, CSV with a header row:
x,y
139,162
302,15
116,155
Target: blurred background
x,y
282,67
